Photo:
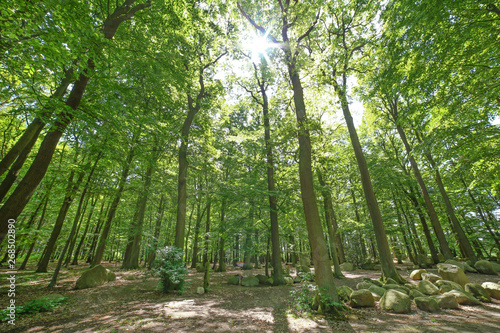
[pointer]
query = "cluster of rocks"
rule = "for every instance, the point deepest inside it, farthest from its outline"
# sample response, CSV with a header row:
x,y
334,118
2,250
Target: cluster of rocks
x,y
447,290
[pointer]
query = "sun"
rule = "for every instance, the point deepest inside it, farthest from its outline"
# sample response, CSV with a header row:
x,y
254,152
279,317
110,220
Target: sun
x,y
259,46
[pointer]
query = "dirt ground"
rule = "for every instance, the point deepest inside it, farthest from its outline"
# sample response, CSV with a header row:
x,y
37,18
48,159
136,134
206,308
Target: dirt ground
x,y
133,304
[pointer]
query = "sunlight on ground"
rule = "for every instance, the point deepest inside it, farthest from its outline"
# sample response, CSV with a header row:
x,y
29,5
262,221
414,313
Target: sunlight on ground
x,y
301,324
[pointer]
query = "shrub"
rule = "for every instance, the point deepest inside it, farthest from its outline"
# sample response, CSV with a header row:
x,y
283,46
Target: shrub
x,y
43,304
171,269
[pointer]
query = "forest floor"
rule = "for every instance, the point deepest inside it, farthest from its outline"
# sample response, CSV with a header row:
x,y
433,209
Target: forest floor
x,y
134,304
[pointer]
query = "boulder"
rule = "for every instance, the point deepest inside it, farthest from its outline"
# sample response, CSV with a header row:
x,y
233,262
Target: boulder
x,y
415,293
270,281
375,282
453,273
427,304
428,288
492,288
478,292
304,261
430,277
250,281
364,285
370,266
377,290
347,266
446,301
417,274
297,279
288,280
200,290
496,266
200,267
463,297
456,263
361,298
344,292
397,287
449,284
485,267
395,301
303,269
111,275
93,277
233,280
262,278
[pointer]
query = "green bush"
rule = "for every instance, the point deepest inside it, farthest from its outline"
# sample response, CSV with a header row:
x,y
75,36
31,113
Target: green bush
x,y
36,305
171,269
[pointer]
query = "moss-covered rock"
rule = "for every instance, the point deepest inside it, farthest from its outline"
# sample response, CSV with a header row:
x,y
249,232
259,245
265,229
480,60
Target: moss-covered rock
x,y
428,288
492,288
427,304
93,277
234,280
485,267
344,293
453,273
478,292
463,297
417,274
395,301
250,281
446,301
361,298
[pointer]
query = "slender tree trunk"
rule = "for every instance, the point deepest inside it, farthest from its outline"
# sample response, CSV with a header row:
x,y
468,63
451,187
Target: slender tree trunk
x,y
423,188
207,235
112,209
328,207
95,235
156,237
222,238
38,227
462,237
132,252
84,236
71,189
199,217
388,267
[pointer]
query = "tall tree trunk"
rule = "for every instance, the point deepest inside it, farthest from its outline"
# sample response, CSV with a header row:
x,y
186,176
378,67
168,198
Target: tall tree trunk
x,y
393,110
328,207
423,222
462,238
199,217
222,237
323,271
207,235
38,227
388,267
71,190
84,236
112,209
131,259
72,233
156,236
97,230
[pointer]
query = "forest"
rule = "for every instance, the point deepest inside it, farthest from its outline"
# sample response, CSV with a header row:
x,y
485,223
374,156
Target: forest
x,y
323,149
